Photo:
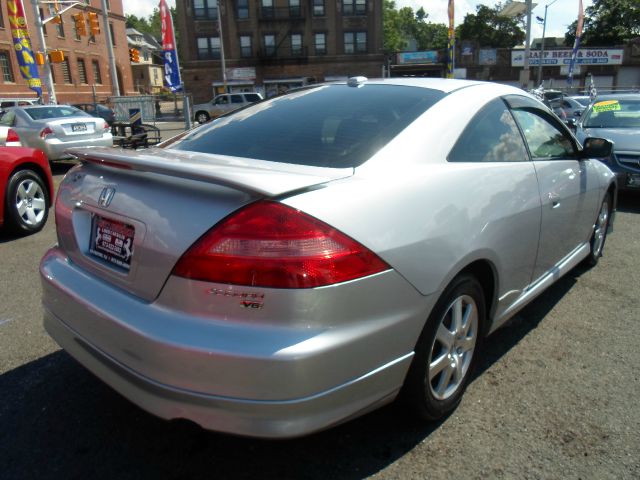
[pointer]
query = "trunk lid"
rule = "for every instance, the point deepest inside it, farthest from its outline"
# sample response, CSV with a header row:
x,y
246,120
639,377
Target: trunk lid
x,y
128,217
75,128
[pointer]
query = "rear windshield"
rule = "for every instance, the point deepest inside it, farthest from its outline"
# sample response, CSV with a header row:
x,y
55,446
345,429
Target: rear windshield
x,y
327,126
54,112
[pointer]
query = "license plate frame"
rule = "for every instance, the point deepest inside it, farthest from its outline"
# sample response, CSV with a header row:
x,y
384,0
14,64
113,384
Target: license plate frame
x,y
112,241
79,127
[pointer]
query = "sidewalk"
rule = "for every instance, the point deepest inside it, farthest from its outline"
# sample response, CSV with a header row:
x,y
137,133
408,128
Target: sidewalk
x,y
169,129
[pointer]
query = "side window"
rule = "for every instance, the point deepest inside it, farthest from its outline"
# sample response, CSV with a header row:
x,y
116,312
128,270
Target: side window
x,y
222,100
7,119
237,99
545,140
491,136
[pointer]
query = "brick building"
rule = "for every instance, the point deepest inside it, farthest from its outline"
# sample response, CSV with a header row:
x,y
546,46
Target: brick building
x,y
274,45
86,65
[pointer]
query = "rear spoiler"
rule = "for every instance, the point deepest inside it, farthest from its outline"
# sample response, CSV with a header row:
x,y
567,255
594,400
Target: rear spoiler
x,y
261,177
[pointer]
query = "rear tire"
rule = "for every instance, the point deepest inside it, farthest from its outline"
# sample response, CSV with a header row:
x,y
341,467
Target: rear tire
x,y
26,202
599,235
447,350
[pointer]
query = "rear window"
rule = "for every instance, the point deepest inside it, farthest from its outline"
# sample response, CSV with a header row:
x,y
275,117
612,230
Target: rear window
x,y
328,126
54,112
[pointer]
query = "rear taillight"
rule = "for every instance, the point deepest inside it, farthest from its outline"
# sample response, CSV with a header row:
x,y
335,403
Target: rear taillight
x,y
12,136
106,127
45,132
268,244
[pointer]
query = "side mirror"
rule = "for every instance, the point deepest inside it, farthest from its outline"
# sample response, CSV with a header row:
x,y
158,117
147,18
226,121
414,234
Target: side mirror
x,y
597,148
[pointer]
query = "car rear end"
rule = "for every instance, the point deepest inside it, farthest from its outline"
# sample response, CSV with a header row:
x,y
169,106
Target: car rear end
x,y
176,284
58,135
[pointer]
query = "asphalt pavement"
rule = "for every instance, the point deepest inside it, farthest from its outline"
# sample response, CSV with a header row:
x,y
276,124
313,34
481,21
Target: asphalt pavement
x,y
557,396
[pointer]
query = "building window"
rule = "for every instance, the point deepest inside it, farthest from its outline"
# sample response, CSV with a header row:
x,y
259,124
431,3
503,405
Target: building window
x,y
44,27
208,48
76,34
355,42
294,8
145,54
267,9
296,44
269,45
97,78
108,4
66,71
354,7
59,27
242,9
82,71
318,8
245,46
1,19
5,65
205,9
320,42
113,37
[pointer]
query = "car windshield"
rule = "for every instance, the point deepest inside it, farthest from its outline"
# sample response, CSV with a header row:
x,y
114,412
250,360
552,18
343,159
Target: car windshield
x,y
54,112
327,125
616,113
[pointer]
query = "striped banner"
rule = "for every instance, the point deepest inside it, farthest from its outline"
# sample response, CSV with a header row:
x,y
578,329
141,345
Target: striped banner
x,y
22,45
451,45
576,44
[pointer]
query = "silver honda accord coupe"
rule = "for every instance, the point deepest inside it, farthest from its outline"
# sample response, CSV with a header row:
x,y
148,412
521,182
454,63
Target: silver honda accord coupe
x,y
304,260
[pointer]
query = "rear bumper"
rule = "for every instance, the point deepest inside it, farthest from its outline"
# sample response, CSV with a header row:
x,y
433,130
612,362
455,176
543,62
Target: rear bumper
x,y
56,150
272,382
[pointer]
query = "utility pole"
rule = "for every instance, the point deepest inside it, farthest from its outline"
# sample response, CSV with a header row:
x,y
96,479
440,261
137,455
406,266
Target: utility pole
x,y
544,28
224,67
112,59
48,78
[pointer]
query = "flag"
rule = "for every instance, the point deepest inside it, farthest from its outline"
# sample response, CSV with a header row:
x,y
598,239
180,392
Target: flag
x,y
576,44
22,45
451,45
593,93
169,54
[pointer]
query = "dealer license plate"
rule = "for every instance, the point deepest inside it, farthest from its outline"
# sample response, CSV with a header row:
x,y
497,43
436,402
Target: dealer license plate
x,y
112,241
79,127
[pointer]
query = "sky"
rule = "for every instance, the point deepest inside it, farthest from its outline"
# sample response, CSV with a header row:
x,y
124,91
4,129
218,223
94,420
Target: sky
x,y
560,14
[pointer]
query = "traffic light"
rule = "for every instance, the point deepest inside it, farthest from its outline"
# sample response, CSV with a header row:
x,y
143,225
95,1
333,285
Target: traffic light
x,y
94,23
56,56
39,58
134,55
81,26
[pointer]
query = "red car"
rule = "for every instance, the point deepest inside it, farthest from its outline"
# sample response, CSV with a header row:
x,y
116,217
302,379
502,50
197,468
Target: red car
x,y
26,189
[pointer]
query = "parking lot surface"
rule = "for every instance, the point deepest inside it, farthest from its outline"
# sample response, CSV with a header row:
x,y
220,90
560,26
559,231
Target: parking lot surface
x,y
557,395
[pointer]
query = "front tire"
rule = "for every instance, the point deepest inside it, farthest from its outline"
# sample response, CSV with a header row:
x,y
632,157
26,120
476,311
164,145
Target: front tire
x,y
202,117
599,235
27,202
447,350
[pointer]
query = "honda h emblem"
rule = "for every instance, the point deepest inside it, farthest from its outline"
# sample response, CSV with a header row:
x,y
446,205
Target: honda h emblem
x,y
106,196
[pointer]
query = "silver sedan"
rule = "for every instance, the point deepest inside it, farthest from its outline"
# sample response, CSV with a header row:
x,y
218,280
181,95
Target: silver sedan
x,y
304,260
55,128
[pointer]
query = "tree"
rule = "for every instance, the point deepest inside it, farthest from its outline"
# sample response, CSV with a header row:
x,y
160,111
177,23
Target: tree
x,y
394,36
401,25
491,29
608,23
